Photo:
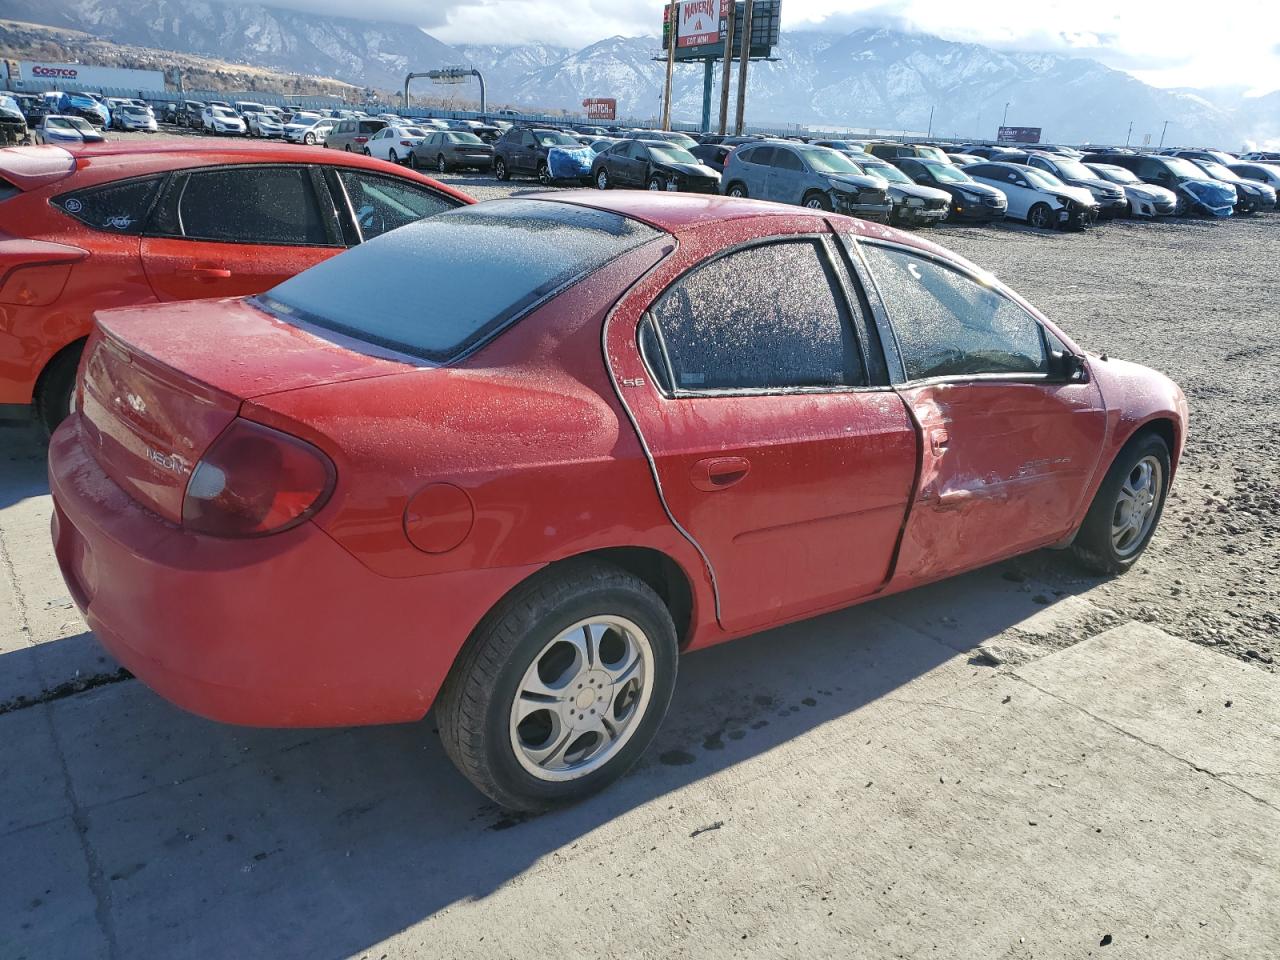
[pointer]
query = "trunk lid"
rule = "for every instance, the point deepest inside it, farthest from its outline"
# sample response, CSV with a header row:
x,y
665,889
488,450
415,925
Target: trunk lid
x,y
159,384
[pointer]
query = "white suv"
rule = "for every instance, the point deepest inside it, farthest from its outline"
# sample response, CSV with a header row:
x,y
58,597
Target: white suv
x,y
222,120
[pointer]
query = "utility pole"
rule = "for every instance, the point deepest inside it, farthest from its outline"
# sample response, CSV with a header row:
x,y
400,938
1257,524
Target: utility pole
x,y
1129,134
673,21
930,132
742,66
1005,121
728,67
1163,132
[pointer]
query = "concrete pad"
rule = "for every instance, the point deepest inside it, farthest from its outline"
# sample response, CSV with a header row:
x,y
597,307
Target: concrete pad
x,y
843,787
47,909
1221,717
32,786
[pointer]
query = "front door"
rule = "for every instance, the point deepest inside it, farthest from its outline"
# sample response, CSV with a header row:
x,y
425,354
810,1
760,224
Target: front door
x,y
235,231
1008,446
773,448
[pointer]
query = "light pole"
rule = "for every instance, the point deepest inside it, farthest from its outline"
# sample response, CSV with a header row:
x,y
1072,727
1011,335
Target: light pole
x,y
1004,122
1128,135
1163,132
930,131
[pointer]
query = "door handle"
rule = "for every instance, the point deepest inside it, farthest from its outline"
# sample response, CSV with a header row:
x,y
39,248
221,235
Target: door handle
x,y
719,473
205,273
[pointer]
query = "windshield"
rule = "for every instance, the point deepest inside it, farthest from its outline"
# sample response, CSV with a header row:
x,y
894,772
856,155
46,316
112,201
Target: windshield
x,y
946,173
1217,170
1114,174
134,111
463,256
824,160
557,140
672,154
1183,168
464,138
887,171
1042,178
1074,169
59,123
933,153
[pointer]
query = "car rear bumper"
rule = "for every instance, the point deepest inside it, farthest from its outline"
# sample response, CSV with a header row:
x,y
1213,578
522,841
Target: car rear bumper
x,y
289,630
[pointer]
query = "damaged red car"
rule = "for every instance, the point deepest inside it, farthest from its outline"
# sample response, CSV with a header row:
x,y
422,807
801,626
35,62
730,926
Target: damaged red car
x,y
622,426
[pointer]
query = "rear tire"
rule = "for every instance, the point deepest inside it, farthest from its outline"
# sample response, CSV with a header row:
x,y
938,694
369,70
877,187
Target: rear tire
x,y
544,174
391,155
442,165
530,640
737,190
1113,536
655,183
55,391
500,169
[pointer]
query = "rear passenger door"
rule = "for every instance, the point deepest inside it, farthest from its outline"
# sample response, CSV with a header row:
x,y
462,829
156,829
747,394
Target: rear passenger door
x,y
238,230
786,177
755,171
775,444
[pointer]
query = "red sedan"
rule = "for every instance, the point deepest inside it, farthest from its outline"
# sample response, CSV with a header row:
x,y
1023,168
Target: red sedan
x,y
622,426
129,223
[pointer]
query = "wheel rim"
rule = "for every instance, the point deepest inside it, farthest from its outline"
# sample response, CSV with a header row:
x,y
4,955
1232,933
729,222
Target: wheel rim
x,y
602,180
544,174
1038,217
655,185
310,139
736,192
582,698
500,170
1136,506
813,203
391,155
441,165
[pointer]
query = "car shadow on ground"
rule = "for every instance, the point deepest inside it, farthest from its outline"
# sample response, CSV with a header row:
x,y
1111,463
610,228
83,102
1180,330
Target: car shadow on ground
x,y
248,842
22,463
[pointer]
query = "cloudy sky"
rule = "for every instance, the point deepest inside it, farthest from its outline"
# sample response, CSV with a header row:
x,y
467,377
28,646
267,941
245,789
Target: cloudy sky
x,y
1175,43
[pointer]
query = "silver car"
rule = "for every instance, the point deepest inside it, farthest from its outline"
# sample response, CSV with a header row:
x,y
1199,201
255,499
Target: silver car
x,y
816,177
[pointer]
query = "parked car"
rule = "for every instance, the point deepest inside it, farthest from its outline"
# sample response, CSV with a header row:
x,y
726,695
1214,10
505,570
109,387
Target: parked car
x,y
311,135
1268,173
295,130
447,150
914,205
350,135
395,143
1142,199
222,120
970,200
130,222
601,144
485,131
81,105
814,177
58,129
265,123
1251,196
682,140
1109,197
525,150
653,165
32,107
1261,156
1196,191
849,148
13,125
711,155
964,159
191,114
247,109
1212,156
1038,197
130,116
587,463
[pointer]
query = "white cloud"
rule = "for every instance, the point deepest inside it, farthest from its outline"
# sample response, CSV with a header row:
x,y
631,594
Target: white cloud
x,y
1178,44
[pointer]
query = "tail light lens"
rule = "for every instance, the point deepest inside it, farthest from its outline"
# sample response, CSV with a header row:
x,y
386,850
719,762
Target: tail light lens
x,y
256,481
362,139
406,143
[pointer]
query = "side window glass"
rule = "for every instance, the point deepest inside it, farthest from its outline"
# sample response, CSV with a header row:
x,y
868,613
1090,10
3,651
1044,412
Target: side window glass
x,y
247,204
381,203
651,352
786,160
949,325
762,155
637,151
767,317
116,208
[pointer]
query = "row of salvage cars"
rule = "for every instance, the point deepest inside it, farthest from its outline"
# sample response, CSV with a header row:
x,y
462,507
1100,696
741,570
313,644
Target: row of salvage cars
x,y
289,490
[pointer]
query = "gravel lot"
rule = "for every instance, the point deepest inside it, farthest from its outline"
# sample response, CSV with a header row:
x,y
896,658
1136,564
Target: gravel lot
x,y
1200,301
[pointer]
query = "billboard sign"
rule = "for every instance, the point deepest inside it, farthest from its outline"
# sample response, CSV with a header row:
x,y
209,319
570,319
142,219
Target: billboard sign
x,y
601,108
84,75
1019,135
701,26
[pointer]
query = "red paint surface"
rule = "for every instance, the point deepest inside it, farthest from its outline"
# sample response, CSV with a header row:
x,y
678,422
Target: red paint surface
x,y
455,483
55,271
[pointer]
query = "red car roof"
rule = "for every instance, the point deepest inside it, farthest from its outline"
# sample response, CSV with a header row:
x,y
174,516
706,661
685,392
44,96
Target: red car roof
x,y
128,158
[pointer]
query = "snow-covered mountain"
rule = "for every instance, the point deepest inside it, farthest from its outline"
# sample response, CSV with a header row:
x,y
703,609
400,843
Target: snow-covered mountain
x,y
872,78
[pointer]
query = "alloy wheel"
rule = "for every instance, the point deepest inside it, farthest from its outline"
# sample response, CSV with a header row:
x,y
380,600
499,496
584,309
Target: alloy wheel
x,y
1137,505
602,179
441,164
581,699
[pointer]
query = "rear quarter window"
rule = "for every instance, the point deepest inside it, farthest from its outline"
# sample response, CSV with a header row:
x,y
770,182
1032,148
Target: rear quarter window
x,y
465,258
121,207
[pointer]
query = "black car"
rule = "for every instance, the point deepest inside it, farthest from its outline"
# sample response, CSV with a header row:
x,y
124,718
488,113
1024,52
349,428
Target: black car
x,y
970,200
655,165
712,155
189,114
451,149
523,150
13,125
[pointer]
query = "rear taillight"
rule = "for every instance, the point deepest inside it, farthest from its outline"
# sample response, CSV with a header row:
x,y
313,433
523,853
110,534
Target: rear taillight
x,y
406,143
362,139
255,481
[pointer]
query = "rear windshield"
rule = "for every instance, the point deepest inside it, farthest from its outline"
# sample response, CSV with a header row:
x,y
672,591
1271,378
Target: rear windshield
x,y
485,266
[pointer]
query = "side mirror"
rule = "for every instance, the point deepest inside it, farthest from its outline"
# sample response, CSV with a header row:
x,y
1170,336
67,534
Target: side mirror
x,y
1068,367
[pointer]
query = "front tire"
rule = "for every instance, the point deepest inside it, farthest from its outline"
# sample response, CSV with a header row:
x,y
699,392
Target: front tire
x,y
602,179
442,165
309,139
516,712
544,174
1127,507
391,155
817,201
1040,216
737,190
